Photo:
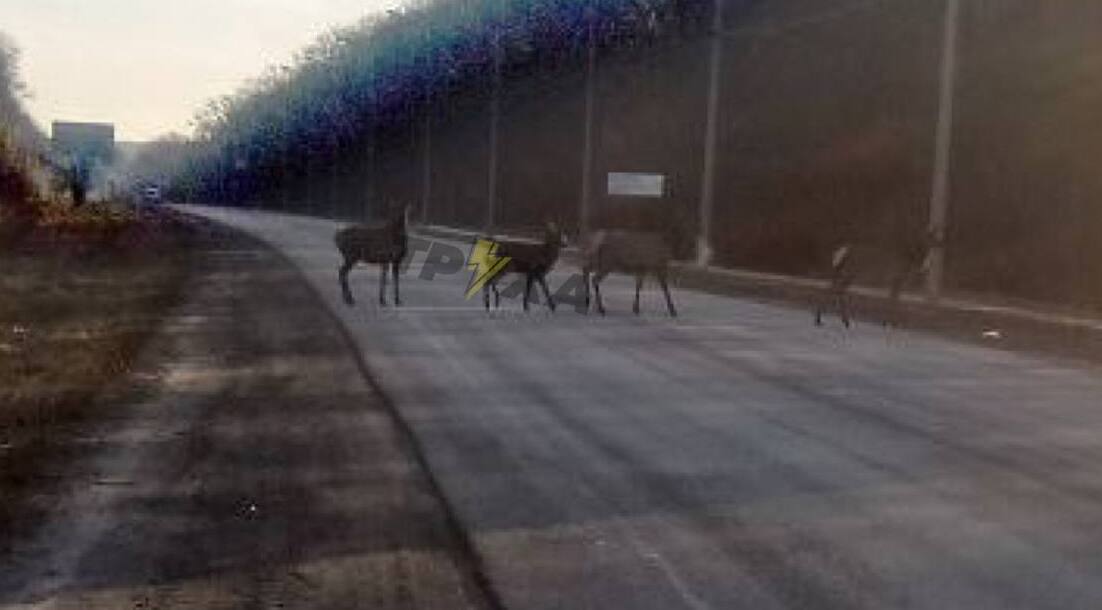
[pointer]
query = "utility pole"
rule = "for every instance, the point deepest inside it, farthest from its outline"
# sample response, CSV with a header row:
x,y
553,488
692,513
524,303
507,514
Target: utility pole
x,y
426,162
284,170
711,136
495,120
428,72
939,195
590,110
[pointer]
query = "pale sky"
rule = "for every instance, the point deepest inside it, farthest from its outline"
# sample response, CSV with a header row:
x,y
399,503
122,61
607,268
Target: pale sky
x,y
148,65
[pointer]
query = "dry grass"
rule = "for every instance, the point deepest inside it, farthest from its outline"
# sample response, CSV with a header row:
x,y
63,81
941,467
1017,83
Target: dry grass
x,y
78,298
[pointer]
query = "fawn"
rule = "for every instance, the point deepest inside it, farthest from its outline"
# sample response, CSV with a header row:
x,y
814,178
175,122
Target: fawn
x,y
533,260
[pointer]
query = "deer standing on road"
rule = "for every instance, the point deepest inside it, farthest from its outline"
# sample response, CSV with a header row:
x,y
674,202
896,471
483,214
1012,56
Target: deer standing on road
x,y
533,260
635,253
384,243
904,260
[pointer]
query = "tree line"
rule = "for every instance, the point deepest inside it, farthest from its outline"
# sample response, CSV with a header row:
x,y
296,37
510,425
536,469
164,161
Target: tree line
x,y
22,145
358,84
826,127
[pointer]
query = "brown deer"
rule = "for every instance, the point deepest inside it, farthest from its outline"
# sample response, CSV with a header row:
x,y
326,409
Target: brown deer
x,y
533,260
384,243
903,260
635,253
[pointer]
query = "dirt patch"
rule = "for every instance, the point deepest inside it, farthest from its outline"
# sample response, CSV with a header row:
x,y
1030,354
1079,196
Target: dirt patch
x,y
79,302
245,463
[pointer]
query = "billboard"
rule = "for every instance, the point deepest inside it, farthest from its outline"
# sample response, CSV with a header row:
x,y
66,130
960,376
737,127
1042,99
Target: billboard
x,y
84,141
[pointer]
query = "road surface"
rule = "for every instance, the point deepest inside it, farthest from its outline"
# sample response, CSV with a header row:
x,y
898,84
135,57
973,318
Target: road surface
x,y
737,457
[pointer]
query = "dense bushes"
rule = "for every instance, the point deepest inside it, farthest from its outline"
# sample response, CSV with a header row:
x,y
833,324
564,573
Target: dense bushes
x,y
21,149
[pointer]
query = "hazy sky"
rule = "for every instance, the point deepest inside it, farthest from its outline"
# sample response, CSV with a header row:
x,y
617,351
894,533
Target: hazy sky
x,y
147,65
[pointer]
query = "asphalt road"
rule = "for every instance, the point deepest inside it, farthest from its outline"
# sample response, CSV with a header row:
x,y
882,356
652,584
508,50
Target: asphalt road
x,y
737,457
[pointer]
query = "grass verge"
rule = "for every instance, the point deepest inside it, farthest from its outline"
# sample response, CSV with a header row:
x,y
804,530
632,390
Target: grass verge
x,y
79,296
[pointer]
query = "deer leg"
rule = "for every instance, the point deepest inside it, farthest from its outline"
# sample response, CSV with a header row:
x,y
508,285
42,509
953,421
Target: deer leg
x,y
585,280
823,299
829,298
839,285
527,289
394,270
486,295
497,294
547,294
638,287
666,291
597,292
382,286
342,275
843,308
894,296
820,301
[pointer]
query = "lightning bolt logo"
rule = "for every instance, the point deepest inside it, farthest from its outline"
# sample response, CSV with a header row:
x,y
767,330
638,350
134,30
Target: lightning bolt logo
x,y
484,264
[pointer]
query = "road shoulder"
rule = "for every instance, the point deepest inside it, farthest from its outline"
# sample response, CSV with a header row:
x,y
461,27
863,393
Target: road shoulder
x,y
249,465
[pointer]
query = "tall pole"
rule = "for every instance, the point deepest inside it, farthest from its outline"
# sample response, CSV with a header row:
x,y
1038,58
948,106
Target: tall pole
x,y
284,196
711,136
429,72
939,195
495,120
426,164
590,104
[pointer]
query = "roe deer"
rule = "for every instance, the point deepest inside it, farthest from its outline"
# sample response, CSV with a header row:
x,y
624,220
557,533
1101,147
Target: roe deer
x,y
533,260
384,243
904,260
635,253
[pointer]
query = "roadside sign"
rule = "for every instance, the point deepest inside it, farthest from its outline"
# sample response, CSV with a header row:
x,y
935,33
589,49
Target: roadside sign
x,y
636,185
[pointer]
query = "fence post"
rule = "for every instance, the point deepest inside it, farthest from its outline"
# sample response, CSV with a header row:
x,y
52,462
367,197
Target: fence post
x,y
711,137
939,196
590,103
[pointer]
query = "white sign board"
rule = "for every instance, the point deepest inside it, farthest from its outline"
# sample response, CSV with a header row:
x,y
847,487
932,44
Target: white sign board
x,y
636,185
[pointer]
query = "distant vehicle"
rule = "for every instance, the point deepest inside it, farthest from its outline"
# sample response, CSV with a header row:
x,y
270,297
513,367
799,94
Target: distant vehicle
x,y
151,194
